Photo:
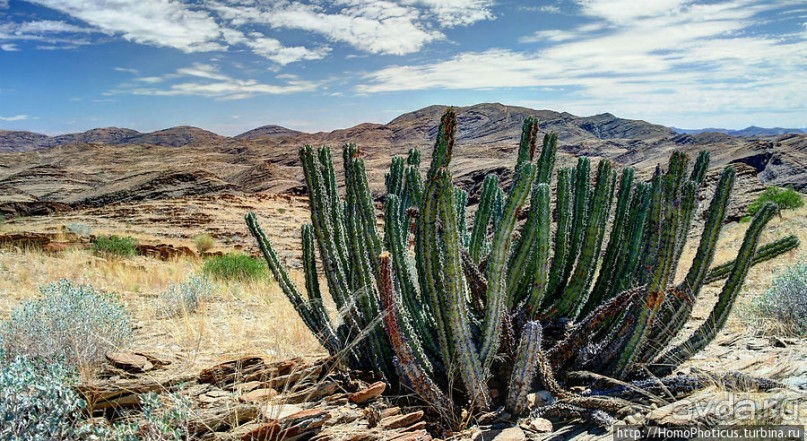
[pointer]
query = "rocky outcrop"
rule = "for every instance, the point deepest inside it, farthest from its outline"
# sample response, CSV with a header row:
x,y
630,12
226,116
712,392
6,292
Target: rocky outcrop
x,y
176,137
19,141
107,135
268,132
153,185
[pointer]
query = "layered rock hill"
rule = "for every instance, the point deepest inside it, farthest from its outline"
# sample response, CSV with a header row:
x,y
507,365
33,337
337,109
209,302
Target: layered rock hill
x,y
41,174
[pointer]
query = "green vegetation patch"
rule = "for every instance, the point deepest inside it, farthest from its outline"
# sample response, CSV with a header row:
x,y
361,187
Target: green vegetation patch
x,y
785,198
235,267
112,245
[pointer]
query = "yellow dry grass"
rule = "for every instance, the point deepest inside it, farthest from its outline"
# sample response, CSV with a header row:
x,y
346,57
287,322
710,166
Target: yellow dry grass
x,y
240,318
759,277
255,318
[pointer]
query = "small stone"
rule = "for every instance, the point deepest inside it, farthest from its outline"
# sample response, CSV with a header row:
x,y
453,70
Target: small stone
x,y
129,362
280,411
508,434
248,386
756,345
258,396
373,391
539,398
399,421
541,425
391,411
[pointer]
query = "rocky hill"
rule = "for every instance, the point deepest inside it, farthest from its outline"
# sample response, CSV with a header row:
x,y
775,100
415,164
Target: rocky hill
x,y
41,174
270,131
18,141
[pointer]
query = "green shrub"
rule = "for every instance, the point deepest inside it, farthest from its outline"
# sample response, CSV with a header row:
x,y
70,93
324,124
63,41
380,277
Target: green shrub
x,y
74,323
234,267
786,300
115,246
184,298
38,403
204,242
160,420
785,198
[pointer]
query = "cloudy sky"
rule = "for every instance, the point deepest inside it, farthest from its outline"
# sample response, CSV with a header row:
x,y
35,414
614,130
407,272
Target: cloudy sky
x,y
232,65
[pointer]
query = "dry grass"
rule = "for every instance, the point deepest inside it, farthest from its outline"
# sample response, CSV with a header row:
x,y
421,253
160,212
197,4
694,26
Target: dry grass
x,y
255,317
240,318
759,277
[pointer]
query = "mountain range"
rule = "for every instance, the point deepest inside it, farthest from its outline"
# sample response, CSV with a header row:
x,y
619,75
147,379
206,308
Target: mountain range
x,y
748,131
41,174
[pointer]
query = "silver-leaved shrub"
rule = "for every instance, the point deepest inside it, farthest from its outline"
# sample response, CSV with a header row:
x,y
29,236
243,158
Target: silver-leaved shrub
x,y
69,322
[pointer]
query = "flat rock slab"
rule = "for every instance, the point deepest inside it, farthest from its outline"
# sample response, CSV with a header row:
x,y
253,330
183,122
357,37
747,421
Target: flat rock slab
x,y
373,391
509,434
129,362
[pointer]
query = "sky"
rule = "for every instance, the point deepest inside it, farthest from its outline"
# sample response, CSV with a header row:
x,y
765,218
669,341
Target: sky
x,y
317,65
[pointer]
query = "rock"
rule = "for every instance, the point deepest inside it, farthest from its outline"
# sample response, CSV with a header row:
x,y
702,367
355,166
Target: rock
x,y
304,422
390,411
509,434
129,362
419,435
373,391
258,396
757,344
279,411
539,398
248,386
541,425
399,421
164,251
312,393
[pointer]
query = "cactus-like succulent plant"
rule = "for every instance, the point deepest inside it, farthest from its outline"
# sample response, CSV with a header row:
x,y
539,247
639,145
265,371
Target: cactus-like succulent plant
x,y
452,313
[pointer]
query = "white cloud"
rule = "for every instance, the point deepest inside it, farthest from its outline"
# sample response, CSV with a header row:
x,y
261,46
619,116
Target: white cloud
x,y
208,81
9,47
14,118
126,70
54,34
451,13
167,23
275,51
381,27
48,27
674,58
3,4
552,35
621,11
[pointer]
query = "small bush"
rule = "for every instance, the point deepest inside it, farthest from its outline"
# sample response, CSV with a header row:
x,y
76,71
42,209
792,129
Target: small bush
x,y
74,323
79,229
115,246
785,198
235,267
786,300
161,420
38,403
204,242
184,298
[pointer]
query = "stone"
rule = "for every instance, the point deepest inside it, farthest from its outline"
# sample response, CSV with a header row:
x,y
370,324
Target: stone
x,y
508,434
279,411
541,425
399,421
129,362
258,396
369,393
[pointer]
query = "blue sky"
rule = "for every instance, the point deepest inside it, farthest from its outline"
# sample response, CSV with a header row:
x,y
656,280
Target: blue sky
x,y
232,65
